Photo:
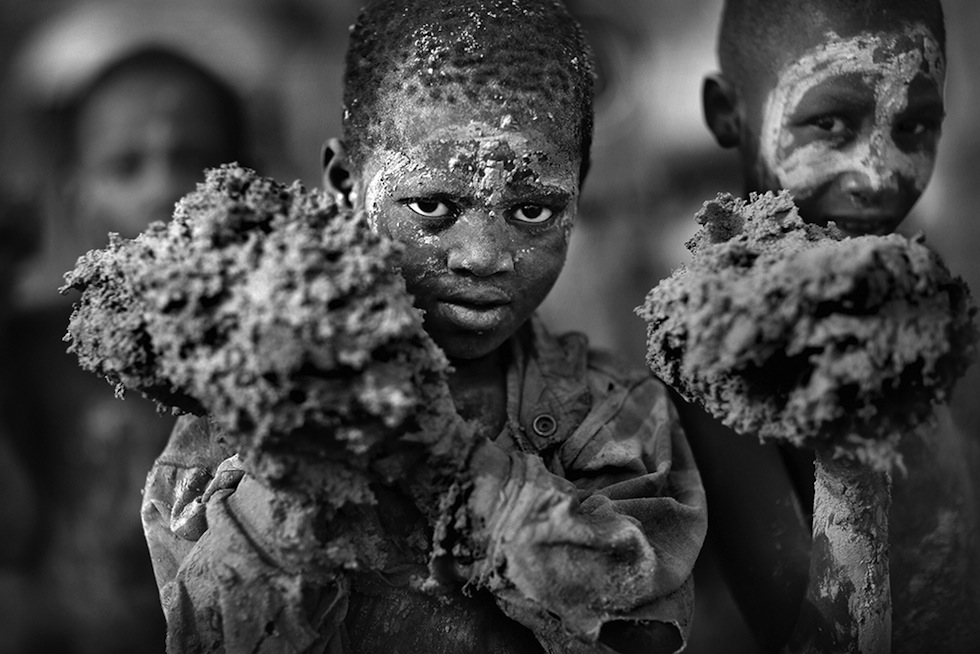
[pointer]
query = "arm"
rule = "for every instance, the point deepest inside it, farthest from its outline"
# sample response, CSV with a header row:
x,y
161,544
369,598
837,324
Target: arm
x,y
594,551
758,526
211,538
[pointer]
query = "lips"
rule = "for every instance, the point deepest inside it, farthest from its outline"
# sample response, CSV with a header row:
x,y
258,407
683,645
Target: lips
x,y
476,309
865,225
488,296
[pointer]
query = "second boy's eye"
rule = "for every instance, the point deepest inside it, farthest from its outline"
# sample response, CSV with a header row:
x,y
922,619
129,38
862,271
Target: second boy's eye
x,y
532,213
429,208
831,124
915,127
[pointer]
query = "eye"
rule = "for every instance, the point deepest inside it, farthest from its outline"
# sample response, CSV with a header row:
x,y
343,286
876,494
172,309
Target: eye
x,y
429,207
123,167
830,123
532,213
916,127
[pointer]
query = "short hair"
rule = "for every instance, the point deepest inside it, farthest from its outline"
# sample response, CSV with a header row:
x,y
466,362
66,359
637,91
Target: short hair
x,y
752,33
531,52
158,58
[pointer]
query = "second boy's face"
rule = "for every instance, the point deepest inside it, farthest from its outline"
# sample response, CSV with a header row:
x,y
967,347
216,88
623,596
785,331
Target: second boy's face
x,y
852,126
483,202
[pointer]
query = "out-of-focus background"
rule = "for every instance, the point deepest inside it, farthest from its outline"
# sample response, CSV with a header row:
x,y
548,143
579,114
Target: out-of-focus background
x,y
88,146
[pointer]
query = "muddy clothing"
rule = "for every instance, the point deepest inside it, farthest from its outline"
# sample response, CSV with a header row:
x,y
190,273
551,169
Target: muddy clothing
x,y
590,515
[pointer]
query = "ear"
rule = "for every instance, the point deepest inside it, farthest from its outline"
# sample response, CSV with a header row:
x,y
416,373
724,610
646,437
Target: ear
x,y
336,170
722,113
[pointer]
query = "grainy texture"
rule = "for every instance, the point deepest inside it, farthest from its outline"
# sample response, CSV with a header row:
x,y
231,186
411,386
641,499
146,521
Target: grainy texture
x,y
792,332
513,55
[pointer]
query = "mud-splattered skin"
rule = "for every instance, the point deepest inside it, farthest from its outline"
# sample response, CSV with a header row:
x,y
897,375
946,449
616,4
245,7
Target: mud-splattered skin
x,y
483,200
851,128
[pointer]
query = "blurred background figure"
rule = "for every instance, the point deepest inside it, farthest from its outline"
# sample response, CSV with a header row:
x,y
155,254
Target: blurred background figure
x,y
18,500
126,105
137,138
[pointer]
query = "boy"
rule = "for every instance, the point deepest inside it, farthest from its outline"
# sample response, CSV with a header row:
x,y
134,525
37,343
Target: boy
x,y
840,102
467,126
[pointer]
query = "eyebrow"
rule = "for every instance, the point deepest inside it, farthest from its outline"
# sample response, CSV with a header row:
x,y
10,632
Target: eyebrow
x,y
831,98
546,194
928,101
448,181
933,108
528,194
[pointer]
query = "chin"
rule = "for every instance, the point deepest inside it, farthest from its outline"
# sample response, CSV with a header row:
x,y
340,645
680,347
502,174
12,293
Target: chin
x,y
475,345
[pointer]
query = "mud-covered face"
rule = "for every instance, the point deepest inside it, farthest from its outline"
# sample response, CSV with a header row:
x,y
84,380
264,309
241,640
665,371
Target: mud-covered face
x,y
851,128
483,202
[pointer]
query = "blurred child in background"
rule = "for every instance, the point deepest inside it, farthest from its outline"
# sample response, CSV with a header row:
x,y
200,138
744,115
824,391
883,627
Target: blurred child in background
x,y
134,120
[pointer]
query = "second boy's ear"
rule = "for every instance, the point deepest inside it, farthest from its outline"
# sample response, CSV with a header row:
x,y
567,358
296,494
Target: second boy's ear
x,y
719,102
336,171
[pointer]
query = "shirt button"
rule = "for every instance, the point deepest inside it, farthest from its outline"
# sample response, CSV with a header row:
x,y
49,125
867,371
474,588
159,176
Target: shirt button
x,y
544,425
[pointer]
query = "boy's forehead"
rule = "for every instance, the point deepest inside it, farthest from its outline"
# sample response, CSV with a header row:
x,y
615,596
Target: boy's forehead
x,y
409,116
864,33
456,146
896,55
438,69
526,58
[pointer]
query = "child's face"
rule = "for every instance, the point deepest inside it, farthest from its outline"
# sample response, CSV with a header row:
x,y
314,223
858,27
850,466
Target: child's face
x,y
483,202
852,126
143,142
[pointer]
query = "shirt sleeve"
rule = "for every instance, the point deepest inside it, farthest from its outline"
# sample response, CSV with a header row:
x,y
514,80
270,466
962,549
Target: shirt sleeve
x,y
221,586
593,549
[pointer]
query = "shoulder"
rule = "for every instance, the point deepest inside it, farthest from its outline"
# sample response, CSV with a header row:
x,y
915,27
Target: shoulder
x,y
625,398
608,370
628,400
606,375
631,429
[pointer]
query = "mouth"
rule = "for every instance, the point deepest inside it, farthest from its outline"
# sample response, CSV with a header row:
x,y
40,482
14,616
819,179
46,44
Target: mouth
x,y
479,297
475,309
867,225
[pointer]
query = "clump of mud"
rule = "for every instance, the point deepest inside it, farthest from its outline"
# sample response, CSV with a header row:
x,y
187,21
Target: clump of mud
x,y
282,317
794,332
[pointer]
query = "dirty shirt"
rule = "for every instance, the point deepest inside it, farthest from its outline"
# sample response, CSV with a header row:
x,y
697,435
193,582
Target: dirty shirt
x,y
588,531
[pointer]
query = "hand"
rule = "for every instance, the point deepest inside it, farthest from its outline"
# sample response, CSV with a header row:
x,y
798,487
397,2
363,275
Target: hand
x,y
226,477
188,517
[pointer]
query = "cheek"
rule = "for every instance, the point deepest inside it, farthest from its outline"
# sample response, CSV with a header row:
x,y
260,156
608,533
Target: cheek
x,y
421,258
806,169
103,197
538,266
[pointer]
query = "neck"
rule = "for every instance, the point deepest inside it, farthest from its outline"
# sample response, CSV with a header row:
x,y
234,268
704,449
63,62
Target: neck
x,y
479,389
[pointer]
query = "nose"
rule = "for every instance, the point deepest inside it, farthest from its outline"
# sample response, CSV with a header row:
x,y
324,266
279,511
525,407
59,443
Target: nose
x,y
864,189
162,181
856,184
480,245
